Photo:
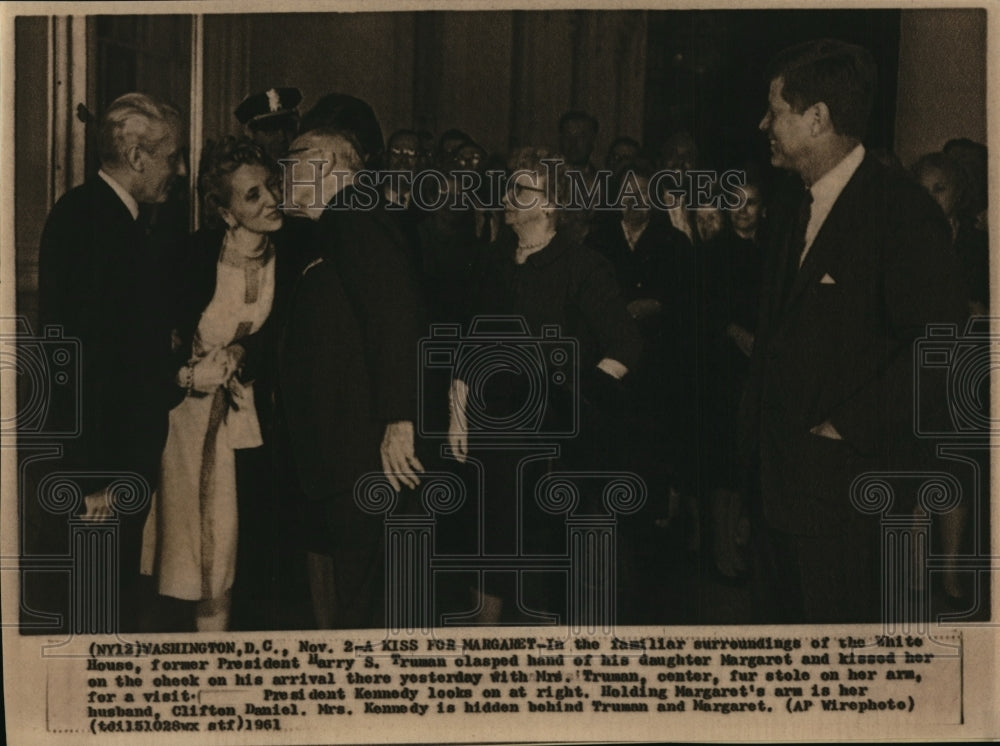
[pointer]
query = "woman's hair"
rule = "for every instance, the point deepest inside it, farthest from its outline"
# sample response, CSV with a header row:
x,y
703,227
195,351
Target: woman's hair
x,y
218,162
953,170
545,162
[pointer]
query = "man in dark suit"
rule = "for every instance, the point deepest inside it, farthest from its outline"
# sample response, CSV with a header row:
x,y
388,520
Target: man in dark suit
x,y
858,264
348,361
106,283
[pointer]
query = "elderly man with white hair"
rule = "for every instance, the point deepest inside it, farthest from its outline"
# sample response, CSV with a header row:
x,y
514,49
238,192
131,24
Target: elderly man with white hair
x,y
348,366
104,282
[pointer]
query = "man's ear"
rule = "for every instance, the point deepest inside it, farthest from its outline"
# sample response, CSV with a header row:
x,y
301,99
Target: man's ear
x,y
820,120
135,158
330,161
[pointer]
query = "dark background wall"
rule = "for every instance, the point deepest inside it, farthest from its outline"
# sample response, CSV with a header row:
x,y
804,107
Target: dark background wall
x,y
502,76
942,80
706,69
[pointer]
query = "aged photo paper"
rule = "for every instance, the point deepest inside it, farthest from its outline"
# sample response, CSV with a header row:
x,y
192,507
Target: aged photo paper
x,y
626,593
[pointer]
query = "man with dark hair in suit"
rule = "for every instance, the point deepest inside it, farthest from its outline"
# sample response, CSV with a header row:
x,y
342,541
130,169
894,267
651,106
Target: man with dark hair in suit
x,y
105,283
858,264
348,376
577,137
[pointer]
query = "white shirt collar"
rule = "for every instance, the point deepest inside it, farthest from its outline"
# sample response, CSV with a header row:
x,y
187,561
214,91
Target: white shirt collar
x,y
679,218
826,190
632,235
123,195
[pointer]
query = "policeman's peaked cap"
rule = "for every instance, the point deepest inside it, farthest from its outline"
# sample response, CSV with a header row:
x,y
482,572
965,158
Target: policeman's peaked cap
x,y
257,108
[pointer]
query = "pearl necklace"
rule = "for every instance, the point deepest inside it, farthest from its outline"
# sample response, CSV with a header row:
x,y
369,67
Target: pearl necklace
x,y
537,245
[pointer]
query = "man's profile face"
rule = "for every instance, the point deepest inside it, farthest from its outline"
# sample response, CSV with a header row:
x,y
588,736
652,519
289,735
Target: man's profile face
x,y
787,131
525,199
307,191
162,165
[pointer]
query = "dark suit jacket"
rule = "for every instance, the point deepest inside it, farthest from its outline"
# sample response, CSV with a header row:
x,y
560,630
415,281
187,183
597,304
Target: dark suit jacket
x,y
841,348
731,290
348,359
347,366
107,282
107,285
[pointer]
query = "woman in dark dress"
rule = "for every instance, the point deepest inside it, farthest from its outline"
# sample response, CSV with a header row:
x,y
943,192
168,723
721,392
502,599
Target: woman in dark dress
x,y
943,178
732,277
657,274
948,183
567,343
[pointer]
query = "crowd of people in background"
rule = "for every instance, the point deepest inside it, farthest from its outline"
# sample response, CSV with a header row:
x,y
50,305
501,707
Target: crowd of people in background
x,y
289,359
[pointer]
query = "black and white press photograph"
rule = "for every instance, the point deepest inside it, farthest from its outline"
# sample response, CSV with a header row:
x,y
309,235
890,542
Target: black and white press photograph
x,y
442,331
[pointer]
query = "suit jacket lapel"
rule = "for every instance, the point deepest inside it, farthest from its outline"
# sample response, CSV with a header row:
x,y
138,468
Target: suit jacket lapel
x,y
828,240
778,301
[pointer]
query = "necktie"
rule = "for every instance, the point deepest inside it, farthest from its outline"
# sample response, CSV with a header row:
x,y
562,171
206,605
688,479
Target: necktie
x,y
797,242
801,224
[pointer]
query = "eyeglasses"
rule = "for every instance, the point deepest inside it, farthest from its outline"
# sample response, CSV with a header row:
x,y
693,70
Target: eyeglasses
x,y
519,188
